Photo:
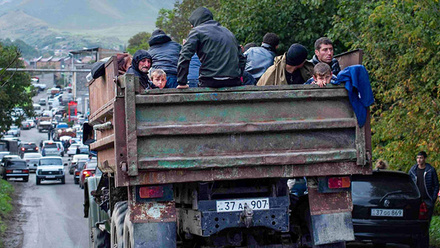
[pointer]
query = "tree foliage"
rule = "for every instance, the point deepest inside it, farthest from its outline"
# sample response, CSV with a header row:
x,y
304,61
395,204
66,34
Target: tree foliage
x,y
138,41
401,41
13,87
175,22
293,21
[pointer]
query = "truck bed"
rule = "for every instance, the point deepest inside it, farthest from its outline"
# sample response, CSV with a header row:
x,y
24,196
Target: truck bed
x,y
202,134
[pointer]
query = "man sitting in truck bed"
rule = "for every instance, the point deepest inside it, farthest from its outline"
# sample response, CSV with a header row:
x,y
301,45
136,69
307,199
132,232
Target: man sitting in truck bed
x,y
218,51
290,68
139,67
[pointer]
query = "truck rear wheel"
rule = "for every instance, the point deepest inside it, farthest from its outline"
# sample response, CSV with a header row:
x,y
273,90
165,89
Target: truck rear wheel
x,y
117,224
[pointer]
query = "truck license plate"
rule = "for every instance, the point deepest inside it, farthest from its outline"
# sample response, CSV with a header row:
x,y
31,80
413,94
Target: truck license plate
x,y
387,212
238,205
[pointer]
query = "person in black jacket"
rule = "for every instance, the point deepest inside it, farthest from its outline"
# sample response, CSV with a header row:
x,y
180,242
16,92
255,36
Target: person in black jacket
x,y
425,176
165,54
324,53
218,50
139,66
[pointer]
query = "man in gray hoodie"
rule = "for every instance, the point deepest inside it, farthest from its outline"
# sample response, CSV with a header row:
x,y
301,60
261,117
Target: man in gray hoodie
x,y
218,50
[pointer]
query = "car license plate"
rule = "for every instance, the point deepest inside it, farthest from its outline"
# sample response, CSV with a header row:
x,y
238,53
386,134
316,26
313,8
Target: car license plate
x,y
50,176
387,212
238,205
16,171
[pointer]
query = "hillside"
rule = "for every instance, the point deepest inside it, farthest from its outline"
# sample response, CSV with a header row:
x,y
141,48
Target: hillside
x,y
38,22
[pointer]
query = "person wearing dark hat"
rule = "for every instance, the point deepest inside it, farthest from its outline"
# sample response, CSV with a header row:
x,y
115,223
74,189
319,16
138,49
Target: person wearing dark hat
x,y
222,62
290,68
324,53
165,55
258,59
140,65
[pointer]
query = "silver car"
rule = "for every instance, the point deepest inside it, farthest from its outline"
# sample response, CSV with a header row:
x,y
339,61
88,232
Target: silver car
x,y
32,160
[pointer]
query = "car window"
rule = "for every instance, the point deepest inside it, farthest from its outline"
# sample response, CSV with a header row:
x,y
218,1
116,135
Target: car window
x,y
92,166
377,186
81,165
16,164
53,145
29,146
51,161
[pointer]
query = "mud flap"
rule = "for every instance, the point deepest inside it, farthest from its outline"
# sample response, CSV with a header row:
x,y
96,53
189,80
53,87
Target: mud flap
x,y
332,228
154,235
330,214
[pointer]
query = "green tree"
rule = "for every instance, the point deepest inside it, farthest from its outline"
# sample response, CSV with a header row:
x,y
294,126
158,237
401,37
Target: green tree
x,y
401,41
138,41
13,87
293,21
175,22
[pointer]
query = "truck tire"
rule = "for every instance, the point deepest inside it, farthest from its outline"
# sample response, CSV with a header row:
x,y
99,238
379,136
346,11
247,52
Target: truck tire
x,y
128,232
117,224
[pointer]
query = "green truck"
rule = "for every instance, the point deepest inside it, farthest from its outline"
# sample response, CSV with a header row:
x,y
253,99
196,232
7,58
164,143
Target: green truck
x,y
205,167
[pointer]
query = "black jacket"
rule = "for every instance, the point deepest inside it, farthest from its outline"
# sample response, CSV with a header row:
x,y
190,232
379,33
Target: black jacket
x,y
164,53
431,180
216,47
334,65
134,68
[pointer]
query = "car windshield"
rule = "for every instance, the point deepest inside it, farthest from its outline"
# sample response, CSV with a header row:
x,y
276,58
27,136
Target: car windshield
x,y
16,164
377,186
51,161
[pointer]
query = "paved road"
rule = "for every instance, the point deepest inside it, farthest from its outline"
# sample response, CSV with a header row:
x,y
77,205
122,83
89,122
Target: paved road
x,y
53,212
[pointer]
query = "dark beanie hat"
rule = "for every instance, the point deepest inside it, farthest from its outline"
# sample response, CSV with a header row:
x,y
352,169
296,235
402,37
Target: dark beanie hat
x,y
296,55
157,32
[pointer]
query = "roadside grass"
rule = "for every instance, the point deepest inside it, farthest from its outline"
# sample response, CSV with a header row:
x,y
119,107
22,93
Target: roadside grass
x,y
6,190
434,231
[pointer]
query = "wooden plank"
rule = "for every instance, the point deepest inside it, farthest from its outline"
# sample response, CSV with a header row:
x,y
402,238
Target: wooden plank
x,y
121,176
145,130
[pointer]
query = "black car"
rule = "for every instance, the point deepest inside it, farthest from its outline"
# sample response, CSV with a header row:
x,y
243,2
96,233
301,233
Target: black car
x,y
387,208
14,168
27,147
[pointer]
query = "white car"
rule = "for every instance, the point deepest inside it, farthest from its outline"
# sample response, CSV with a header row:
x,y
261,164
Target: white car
x,y
32,159
50,168
72,149
50,148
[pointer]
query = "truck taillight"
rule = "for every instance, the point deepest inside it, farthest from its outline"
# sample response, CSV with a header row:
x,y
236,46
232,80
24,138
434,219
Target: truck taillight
x,y
151,192
423,211
338,182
